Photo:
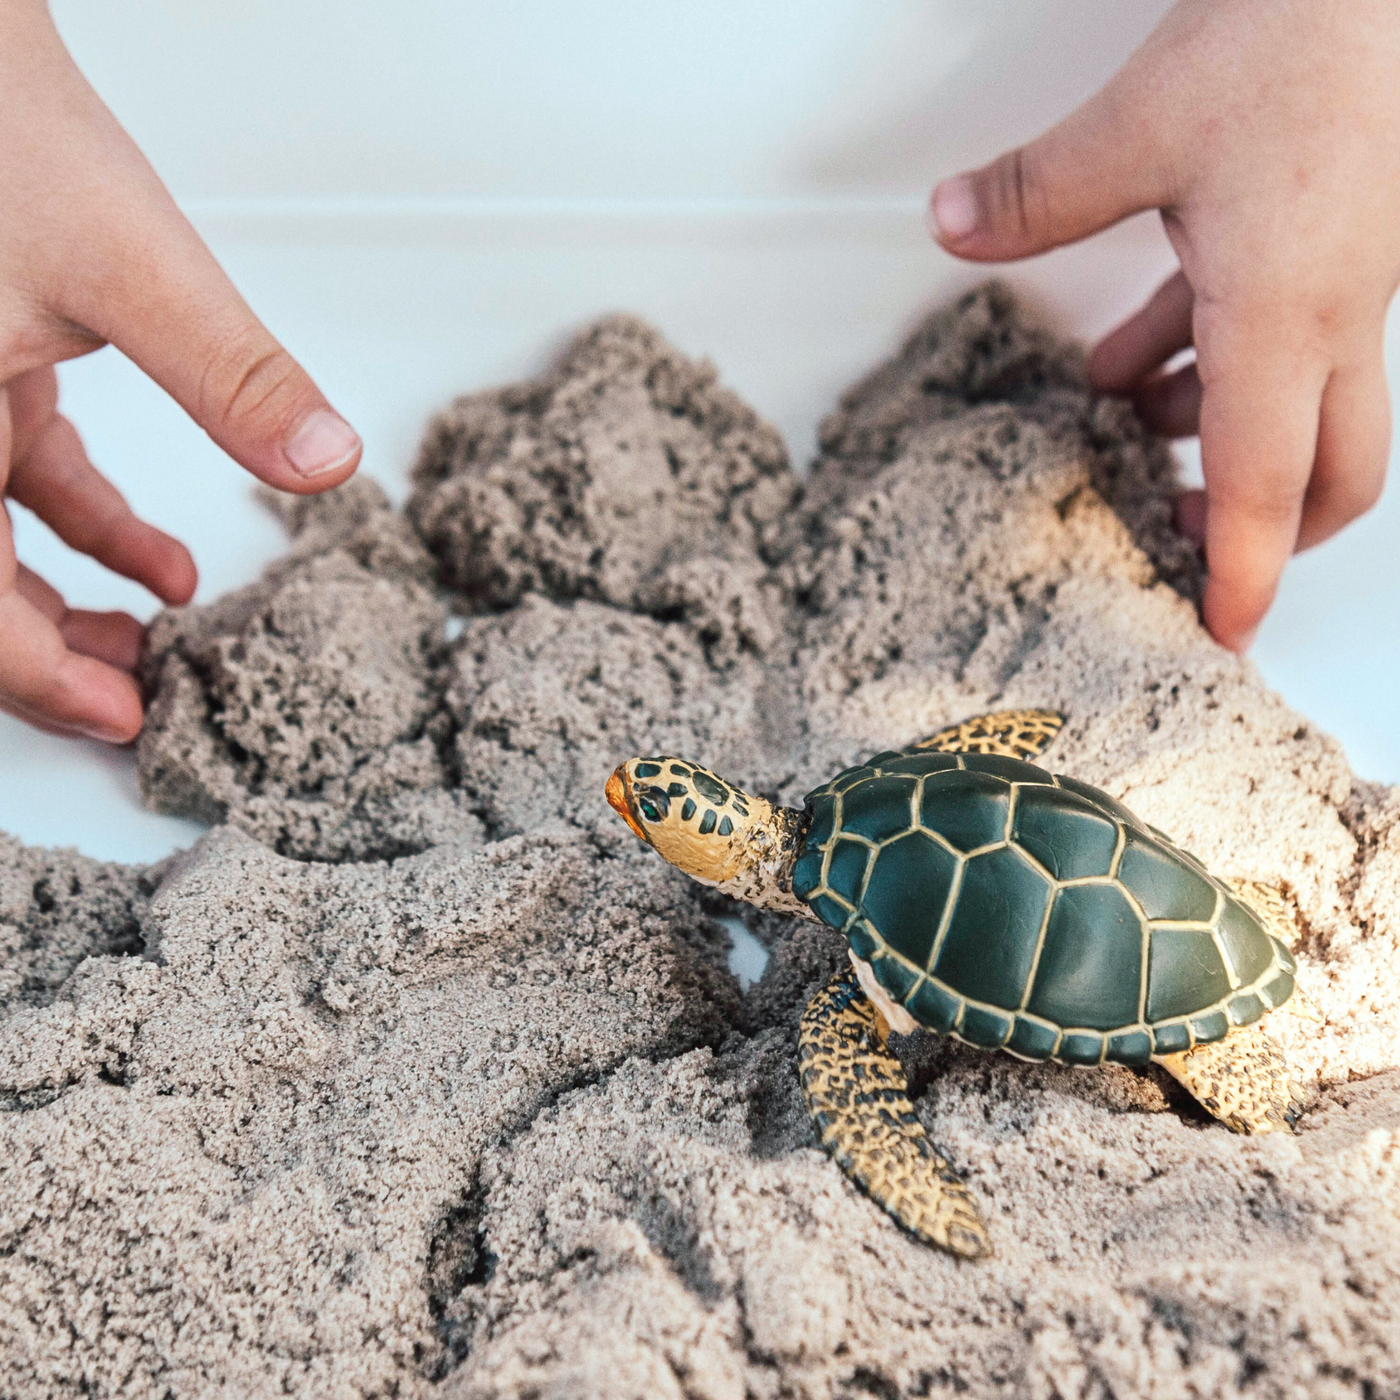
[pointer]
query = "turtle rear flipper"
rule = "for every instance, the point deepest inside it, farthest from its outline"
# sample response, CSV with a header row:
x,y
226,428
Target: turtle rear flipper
x,y
1023,734
1244,1080
859,1102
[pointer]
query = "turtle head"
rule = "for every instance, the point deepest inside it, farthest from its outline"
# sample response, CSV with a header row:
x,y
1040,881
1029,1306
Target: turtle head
x,y
700,824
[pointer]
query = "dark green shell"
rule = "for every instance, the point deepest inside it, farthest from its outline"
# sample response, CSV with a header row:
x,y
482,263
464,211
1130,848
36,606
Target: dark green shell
x,y
1032,913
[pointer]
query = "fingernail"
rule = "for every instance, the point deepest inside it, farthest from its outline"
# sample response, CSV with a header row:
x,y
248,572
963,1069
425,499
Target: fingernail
x,y
103,734
324,442
952,212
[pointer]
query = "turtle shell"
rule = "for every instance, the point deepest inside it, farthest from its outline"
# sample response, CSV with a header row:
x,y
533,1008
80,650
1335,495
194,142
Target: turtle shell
x,y
1020,910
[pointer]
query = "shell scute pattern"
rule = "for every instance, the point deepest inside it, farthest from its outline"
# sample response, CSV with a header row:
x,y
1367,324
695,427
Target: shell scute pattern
x,y
1101,800
1212,1026
1182,960
850,778
1090,971
832,913
1028,911
1033,1040
864,941
879,808
1067,834
919,765
1248,956
967,809
982,1026
1164,885
1081,1048
984,952
1129,1048
1245,1009
807,870
907,902
935,1007
1011,770
845,873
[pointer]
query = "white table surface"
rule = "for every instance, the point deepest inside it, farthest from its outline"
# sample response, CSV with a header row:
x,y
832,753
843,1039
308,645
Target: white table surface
x,y
412,229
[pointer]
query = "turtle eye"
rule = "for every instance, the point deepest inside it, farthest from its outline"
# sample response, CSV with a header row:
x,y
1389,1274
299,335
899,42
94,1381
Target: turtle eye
x,y
653,804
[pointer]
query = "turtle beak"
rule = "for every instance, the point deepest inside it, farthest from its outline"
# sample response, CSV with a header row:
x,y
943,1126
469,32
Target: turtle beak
x,y
619,795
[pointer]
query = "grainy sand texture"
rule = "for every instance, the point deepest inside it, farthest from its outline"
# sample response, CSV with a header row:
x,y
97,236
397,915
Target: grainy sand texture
x,y
420,1076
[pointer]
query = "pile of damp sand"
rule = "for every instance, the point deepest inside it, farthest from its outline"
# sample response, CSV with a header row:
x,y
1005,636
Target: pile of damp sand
x,y
419,1075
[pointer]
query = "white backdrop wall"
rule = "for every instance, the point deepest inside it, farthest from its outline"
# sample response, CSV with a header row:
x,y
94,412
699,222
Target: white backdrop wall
x,y
426,197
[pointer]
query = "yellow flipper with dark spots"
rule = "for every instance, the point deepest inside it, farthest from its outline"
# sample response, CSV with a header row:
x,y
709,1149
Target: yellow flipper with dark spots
x,y
1244,1080
1023,734
859,1101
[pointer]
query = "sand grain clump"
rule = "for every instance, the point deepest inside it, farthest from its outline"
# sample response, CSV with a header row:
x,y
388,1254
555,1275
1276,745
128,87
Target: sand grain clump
x,y
419,1075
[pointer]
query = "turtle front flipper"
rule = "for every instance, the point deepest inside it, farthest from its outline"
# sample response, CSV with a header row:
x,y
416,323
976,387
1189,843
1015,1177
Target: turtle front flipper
x,y
1244,1080
859,1101
1023,734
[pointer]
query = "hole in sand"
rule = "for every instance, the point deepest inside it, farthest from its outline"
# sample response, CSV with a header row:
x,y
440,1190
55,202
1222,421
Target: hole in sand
x,y
747,956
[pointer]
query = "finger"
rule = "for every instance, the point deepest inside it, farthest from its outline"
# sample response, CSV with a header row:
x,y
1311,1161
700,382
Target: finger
x,y
1189,515
33,399
1146,340
44,682
1097,166
147,284
1259,421
1353,449
56,481
41,680
113,637
1170,404
40,594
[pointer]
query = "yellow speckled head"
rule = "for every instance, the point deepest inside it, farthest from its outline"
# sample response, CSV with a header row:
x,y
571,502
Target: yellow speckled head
x,y
694,820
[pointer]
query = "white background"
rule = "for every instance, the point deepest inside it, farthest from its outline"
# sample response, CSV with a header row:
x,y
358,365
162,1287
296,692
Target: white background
x,y
424,198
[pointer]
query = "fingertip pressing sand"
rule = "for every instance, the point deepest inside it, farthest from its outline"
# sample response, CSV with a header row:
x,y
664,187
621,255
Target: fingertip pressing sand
x,y
419,1075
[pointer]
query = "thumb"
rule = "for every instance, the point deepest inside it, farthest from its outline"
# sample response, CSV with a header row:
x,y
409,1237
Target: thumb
x,y
1097,166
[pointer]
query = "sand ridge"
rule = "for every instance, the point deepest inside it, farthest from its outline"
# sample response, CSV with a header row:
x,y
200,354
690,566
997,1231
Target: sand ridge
x,y
419,1075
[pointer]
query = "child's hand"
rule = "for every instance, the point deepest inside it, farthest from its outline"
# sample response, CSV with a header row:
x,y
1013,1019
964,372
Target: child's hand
x,y
93,249
1269,137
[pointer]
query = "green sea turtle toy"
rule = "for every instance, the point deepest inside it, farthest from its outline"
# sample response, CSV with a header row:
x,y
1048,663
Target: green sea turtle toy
x,y
986,899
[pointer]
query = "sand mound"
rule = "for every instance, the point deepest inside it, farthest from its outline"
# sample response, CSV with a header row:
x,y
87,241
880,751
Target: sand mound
x,y
419,1075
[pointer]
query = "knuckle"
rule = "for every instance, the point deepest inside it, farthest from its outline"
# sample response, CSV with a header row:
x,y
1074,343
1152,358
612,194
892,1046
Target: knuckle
x,y
1013,192
1265,502
251,382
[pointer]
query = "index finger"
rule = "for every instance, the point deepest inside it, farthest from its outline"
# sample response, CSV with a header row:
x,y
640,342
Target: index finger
x,y
1259,414
158,295
141,278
